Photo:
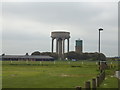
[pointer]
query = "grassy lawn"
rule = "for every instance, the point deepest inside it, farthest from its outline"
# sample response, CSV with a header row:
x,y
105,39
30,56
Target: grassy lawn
x,y
110,82
50,74
60,74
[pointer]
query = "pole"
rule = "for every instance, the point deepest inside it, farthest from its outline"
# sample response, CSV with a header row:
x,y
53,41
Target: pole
x,y
99,42
99,47
99,39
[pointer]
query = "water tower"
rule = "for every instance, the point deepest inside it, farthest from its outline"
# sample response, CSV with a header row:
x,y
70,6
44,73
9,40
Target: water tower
x,y
60,37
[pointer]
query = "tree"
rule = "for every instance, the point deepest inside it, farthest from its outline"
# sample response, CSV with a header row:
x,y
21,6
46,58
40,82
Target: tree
x,y
3,54
85,56
54,55
72,55
26,54
36,53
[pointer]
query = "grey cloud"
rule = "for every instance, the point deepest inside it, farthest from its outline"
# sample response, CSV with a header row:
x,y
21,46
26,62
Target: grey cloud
x,y
55,12
81,19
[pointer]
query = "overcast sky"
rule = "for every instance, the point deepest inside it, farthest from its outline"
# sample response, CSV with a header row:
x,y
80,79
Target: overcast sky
x,y
27,26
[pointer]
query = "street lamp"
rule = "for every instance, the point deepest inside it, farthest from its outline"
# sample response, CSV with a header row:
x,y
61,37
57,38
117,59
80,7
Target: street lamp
x,y
99,49
99,39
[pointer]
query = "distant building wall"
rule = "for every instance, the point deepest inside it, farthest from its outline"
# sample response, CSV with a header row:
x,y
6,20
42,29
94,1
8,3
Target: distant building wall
x,y
30,58
79,46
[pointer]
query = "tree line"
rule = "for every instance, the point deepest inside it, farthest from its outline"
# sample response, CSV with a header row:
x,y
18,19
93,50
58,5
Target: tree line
x,y
74,55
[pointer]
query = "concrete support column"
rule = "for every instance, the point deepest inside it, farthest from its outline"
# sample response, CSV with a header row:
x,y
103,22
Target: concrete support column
x,y
63,40
60,47
52,44
68,45
63,45
57,46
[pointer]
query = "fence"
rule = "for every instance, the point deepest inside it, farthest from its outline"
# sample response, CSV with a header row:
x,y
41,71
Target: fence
x,y
94,83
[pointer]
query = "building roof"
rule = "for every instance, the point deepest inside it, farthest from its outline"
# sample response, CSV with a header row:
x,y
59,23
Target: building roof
x,y
25,56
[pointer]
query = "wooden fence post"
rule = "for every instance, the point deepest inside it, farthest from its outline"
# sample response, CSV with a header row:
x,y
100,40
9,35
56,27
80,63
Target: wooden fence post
x,y
78,88
87,85
104,75
94,84
97,80
100,78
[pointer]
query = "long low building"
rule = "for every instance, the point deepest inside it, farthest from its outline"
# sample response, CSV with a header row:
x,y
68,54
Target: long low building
x,y
26,57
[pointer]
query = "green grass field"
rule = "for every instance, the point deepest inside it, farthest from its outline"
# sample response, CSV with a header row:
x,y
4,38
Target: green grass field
x,y
47,74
